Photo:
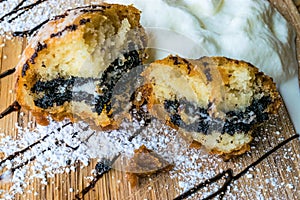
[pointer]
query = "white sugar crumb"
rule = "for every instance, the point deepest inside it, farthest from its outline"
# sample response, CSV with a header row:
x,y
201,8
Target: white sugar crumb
x,y
249,176
277,132
290,186
289,169
6,176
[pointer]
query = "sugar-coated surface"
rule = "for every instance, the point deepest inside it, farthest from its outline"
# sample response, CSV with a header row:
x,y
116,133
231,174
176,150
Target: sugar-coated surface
x,y
49,8
56,153
61,150
35,16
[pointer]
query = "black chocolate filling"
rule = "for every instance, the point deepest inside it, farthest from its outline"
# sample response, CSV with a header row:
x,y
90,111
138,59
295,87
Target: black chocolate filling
x,y
236,121
60,90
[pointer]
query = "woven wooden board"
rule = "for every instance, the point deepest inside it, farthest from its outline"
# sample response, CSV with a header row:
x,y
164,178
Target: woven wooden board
x,y
282,166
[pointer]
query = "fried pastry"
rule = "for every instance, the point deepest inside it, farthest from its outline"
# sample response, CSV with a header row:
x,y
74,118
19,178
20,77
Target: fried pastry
x,y
70,67
215,100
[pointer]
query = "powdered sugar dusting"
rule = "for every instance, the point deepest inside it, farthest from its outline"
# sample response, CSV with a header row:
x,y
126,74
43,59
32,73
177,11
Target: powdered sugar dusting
x,y
51,156
35,16
64,148
61,146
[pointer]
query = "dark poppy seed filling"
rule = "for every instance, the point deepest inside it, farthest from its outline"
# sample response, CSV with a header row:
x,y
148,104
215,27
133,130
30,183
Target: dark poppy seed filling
x,y
117,69
241,121
125,90
61,90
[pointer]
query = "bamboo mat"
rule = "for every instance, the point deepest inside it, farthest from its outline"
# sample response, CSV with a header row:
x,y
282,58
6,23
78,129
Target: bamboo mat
x,y
281,168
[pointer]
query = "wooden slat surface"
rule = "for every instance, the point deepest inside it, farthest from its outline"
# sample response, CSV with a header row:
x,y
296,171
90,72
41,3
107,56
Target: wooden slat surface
x,y
282,166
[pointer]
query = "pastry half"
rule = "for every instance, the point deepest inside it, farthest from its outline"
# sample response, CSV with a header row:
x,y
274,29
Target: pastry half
x,y
70,67
215,100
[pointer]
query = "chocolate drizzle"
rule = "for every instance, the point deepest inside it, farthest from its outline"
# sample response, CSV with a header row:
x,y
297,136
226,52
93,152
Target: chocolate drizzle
x,y
13,169
29,32
19,166
15,106
102,167
57,141
229,177
19,10
7,73
105,165
17,153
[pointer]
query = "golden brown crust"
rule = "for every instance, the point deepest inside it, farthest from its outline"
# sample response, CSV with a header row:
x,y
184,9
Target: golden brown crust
x,y
243,149
218,85
264,81
119,21
196,68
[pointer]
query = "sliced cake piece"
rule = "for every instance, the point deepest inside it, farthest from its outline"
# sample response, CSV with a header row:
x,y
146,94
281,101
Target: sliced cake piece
x,y
71,66
215,100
